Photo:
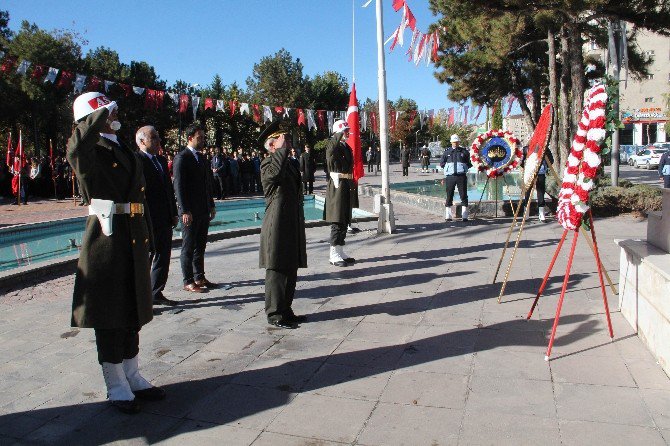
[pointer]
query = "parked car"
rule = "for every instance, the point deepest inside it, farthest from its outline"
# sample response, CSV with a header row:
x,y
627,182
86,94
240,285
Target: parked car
x,y
647,158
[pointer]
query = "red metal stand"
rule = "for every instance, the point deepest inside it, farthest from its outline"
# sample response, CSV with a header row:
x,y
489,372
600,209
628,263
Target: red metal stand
x,y
596,254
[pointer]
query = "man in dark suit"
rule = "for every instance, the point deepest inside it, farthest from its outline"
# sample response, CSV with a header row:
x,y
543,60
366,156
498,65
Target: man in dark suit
x,y
159,194
307,169
219,167
196,207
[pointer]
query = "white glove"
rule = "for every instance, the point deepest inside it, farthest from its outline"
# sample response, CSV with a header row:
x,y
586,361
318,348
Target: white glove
x,y
335,176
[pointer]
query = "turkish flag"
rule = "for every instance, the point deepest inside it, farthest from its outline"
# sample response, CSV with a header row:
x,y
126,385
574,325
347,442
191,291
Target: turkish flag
x,y
397,4
39,71
94,83
183,103
65,80
321,116
354,140
452,116
126,89
232,105
209,103
301,117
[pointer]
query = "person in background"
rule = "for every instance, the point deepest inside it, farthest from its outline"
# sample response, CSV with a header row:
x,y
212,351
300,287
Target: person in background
x,y
307,170
234,174
664,169
370,159
404,160
219,172
256,162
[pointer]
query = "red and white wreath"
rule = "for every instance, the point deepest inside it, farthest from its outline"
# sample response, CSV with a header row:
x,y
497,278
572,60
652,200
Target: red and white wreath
x,y
480,163
583,161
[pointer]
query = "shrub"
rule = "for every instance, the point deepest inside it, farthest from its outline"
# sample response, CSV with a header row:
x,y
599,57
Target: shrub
x,y
610,200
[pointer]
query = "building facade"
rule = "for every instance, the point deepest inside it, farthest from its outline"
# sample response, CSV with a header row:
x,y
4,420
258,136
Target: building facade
x,y
643,107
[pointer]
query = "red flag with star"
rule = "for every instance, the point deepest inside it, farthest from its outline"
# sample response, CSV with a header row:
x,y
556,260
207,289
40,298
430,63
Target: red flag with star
x,y
354,140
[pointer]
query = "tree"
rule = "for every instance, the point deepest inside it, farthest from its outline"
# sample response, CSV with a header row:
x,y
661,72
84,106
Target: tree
x,y
278,80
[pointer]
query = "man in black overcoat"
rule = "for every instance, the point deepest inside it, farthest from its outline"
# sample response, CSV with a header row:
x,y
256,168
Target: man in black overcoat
x,y
283,247
162,209
196,207
307,169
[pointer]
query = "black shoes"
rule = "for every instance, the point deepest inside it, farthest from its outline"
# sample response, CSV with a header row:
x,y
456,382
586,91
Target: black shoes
x,y
350,260
127,407
150,394
284,323
162,300
297,319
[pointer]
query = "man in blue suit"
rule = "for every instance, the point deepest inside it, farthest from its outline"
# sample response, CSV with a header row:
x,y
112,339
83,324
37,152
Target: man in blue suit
x,y
159,194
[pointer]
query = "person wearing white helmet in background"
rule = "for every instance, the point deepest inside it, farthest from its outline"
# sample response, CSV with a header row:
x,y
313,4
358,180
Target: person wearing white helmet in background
x,y
456,162
340,192
112,288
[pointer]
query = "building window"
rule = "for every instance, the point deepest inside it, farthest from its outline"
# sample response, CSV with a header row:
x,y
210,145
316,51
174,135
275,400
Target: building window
x,y
650,53
650,99
649,77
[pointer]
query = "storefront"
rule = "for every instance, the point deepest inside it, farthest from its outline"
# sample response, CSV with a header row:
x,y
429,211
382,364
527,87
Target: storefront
x,y
643,126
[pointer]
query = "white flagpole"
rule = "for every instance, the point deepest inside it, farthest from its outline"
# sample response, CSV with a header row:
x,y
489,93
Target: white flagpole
x,y
386,223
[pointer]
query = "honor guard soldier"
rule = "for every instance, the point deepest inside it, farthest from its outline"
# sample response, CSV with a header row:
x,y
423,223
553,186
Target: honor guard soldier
x,y
112,288
341,192
283,248
456,162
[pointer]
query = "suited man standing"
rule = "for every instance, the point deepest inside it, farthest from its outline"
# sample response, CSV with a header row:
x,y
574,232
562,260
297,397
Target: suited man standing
x,y
196,207
219,165
162,209
307,169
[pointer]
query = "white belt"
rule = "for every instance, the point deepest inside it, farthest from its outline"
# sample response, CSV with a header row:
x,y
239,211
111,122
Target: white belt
x,y
123,208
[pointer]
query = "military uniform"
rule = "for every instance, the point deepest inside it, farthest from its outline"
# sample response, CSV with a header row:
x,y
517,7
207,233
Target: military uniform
x,y
404,160
112,289
283,247
456,162
340,200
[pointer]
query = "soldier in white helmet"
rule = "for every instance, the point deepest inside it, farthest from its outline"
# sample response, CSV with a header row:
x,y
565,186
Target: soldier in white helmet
x,y
456,162
112,288
341,192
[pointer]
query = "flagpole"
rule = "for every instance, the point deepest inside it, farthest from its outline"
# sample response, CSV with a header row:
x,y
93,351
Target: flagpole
x,y
18,192
386,222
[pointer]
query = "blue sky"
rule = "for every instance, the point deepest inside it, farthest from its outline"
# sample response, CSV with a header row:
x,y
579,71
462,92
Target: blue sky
x,y
193,40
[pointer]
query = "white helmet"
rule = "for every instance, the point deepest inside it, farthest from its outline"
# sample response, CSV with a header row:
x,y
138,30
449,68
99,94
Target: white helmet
x,y
340,126
455,138
87,103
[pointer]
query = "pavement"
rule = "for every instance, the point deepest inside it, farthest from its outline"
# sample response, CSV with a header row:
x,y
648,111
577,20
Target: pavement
x,y
407,347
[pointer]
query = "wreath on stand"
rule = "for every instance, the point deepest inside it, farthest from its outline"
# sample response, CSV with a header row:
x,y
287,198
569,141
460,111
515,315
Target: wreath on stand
x,y
583,161
495,152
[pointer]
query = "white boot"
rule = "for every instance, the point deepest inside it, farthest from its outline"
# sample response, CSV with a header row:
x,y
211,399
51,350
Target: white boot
x,y
132,372
345,257
118,388
540,211
448,214
464,213
335,257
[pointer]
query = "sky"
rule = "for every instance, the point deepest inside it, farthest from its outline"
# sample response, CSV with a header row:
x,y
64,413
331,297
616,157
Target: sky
x,y
193,40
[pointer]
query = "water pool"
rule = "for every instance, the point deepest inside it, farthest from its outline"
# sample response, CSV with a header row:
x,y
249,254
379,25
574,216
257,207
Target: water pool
x,y
497,189
40,242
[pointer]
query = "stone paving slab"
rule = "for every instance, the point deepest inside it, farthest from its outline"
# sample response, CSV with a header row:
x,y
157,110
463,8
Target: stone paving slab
x,y
408,347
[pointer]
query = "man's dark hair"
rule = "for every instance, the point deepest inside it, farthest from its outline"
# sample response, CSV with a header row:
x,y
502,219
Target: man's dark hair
x,y
192,129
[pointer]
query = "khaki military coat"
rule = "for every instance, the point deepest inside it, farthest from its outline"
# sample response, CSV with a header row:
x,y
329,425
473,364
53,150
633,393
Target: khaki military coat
x,y
112,286
341,200
283,245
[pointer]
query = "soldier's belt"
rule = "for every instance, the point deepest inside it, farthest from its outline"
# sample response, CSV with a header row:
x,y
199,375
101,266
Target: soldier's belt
x,y
346,176
123,208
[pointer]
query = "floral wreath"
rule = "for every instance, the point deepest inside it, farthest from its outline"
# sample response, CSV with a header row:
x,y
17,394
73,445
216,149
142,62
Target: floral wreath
x,y
583,161
482,165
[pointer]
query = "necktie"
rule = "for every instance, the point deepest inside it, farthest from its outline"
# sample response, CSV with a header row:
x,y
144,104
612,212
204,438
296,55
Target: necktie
x,y
157,164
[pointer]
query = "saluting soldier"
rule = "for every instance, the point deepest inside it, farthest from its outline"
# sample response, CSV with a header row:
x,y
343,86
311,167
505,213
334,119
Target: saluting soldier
x,y
341,194
456,162
112,289
283,249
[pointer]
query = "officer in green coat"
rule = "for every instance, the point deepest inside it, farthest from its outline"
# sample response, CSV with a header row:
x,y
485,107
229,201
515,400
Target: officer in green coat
x,y
112,289
341,193
283,249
